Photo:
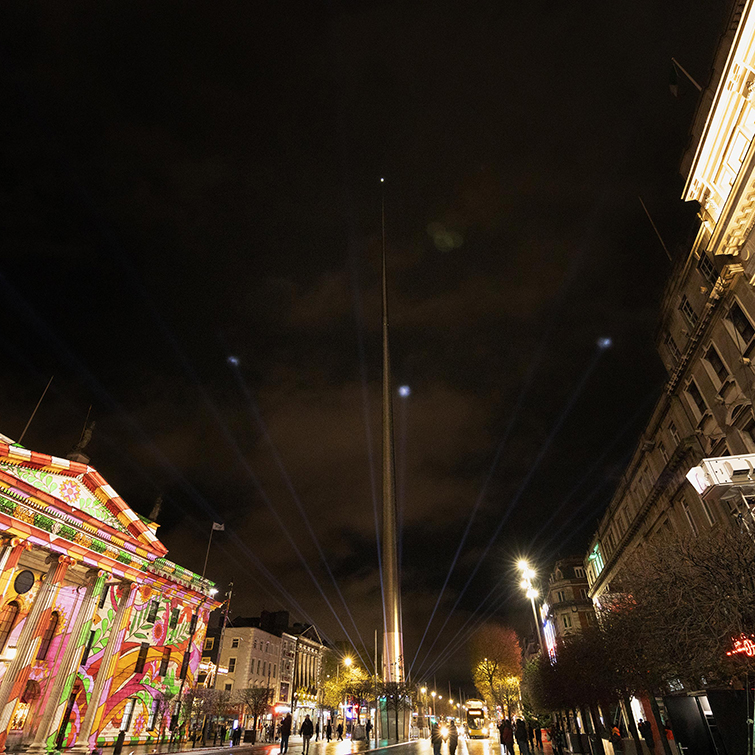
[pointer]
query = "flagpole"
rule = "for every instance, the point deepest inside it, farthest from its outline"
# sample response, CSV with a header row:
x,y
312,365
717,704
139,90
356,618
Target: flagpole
x,y
686,73
207,555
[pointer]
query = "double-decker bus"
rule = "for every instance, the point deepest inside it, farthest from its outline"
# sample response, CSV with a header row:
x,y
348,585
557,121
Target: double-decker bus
x,y
477,719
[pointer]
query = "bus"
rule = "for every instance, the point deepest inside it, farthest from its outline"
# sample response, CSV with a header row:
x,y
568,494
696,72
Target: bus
x,y
477,719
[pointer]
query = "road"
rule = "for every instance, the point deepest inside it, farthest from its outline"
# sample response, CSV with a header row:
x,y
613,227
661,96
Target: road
x,y
347,747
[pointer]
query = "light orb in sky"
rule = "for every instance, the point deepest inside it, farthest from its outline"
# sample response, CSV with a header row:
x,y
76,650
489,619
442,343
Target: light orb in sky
x,y
404,391
233,361
605,343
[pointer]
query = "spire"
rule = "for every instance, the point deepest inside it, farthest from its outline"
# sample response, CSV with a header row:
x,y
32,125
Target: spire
x,y
393,639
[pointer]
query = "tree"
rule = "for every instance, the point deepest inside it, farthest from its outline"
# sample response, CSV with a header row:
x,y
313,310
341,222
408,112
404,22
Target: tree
x,y
256,701
397,700
496,666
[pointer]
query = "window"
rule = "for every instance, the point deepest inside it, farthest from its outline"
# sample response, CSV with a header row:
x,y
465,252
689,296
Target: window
x,y
560,596
206,659
174,614
142,658
128,713
153,609
255,645
662,451
231,665
264,668
708,513
579,572
690,520
686,309
697,398
259,664
235,642
209,643
583,593
153,714
49,633
7,620
674,433
673,349
267,647
88,648
275,668
714,360
184,666
228,687
567,622
742,325
164,663
707,269
596,559
103,597
193,624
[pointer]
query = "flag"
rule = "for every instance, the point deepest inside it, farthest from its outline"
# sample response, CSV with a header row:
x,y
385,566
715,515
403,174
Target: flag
x,y
218,527
673,83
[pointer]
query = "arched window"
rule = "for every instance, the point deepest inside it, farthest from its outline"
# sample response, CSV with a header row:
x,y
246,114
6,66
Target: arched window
x,y
49,633
7,620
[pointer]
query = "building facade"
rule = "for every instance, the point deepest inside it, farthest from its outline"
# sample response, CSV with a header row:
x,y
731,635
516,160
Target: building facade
x,y
568,608
706,336
99,632
249,657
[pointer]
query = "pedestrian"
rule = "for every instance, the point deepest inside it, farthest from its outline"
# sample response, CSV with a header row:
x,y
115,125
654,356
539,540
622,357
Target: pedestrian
x,y
539,735
328,731
453,737
616,739
520,732
285,732
531,735
507,737
436,739
646,729
306,730
317,731
368,728
558,741
339,732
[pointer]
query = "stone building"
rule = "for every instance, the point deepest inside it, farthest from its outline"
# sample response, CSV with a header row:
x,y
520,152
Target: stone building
x,y
706,336
99,632
567,609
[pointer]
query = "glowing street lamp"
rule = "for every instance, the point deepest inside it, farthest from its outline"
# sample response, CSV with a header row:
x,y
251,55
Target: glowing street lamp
x,y
528,575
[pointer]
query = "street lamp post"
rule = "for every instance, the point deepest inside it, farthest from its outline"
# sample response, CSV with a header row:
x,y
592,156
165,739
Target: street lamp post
x,y
527,576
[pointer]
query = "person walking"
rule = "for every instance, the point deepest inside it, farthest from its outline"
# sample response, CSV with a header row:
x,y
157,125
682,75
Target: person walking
x,y
507,737
317,730
328,731
436,738
646,729
453,737
306,730
285,732
520,732
538,735
368,728
531,735
616,739
339,731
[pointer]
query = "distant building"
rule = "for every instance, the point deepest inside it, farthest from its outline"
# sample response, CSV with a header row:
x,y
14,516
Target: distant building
x,y
99,632
264,651
568,608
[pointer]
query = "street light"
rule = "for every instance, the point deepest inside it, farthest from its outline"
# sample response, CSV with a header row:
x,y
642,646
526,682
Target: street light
x,y
528,574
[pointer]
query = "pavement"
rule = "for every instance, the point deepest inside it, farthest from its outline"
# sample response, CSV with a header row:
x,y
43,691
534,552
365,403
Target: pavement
x,y
346,747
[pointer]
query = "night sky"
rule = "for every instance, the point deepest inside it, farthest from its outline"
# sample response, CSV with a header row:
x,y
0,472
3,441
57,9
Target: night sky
x,y
188,182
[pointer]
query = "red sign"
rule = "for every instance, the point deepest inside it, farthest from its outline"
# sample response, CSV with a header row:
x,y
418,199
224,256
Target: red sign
x,y
743,646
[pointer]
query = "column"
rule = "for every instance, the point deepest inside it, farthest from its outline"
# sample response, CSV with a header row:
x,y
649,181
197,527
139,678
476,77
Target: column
x,y
17,674
107,667
66,676
9,561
